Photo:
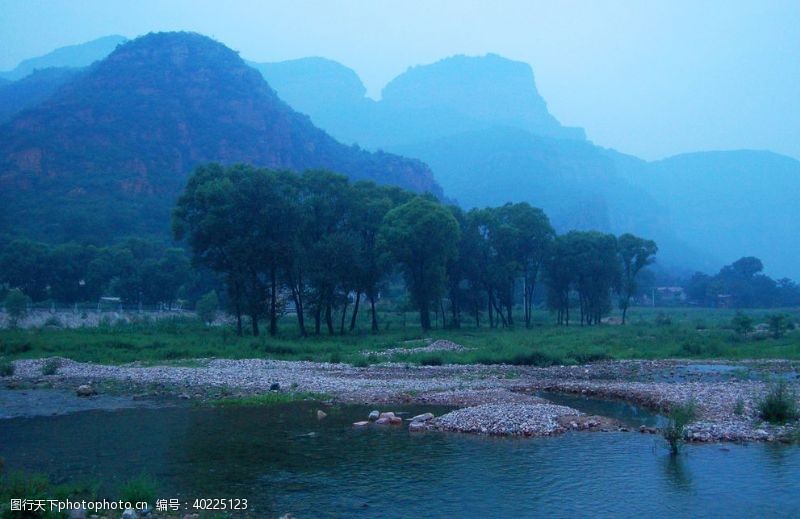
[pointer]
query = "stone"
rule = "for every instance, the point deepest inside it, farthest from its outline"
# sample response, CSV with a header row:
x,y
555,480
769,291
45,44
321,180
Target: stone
x,y
424,417
129,513
85,390
321,414
287,516
383,421
395,420
274,387
360,424
416,426
388,414
77,513
374,415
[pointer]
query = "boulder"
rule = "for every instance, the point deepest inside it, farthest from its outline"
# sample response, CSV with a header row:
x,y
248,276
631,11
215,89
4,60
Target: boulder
x,y
129,513
395,420
424,417
274,387
388,414
77,513
416,426
85,390
321,414
374,415
360,424
383,421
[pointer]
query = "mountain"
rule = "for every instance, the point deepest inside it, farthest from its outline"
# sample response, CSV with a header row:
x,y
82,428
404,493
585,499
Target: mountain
x,y
16,96
451,96
110,151
73,56
735,203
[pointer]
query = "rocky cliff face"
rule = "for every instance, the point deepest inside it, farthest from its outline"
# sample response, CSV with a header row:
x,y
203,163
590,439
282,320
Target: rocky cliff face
x,y
120,140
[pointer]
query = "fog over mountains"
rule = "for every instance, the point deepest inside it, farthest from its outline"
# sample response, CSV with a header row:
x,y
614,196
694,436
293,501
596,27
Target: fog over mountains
x,y
478,122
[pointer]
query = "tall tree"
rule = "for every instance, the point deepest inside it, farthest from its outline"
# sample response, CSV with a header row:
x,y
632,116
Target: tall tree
x,y
635,253
422,236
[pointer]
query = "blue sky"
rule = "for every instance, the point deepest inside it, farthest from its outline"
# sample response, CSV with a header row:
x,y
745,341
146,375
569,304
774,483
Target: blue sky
x,y
652,78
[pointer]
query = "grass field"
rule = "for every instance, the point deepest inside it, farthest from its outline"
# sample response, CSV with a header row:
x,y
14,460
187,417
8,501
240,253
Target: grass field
x,y
651,334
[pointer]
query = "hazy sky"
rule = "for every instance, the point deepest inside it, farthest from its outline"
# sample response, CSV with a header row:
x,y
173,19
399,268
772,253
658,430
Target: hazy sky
x,y
652,78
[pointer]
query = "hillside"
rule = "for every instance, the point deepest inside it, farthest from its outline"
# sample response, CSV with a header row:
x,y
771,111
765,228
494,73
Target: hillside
x,y
110,151
16,96
735,203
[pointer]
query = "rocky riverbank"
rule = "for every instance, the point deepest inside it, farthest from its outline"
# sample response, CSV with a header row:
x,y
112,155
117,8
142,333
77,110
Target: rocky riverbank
x,y
726,394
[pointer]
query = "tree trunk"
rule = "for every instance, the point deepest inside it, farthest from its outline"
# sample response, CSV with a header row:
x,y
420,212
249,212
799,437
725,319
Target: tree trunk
x,y
254,319
239,330
344,316
355,311
425,316
329,319
374,316
273,303
317,319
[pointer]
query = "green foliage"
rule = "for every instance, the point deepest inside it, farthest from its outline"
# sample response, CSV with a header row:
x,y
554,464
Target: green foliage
x,y
207,307
6,368
680,415
742,324
635,254
779,405
663,319
141,489
422,235
738,408
16,305
779,324
268,399
51,367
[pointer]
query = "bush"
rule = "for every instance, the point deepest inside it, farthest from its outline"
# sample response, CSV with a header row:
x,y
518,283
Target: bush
x,y
779,324
51,367
16,305
738,409
692,348
779,405
742,324
589,357
6,368
679,417
141,489
207,307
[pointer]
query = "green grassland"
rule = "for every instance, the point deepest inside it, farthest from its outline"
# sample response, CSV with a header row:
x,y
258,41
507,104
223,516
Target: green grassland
x,y
650,334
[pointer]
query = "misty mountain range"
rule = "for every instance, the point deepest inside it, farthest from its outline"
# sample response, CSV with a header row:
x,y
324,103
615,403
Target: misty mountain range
x,y
117,139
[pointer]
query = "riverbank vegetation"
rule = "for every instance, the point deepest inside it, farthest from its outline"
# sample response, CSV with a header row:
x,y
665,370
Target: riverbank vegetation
x,y
652,333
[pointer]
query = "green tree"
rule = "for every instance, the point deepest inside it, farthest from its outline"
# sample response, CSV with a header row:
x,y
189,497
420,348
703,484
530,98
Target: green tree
x,y
743,324
16,304
635,253
422,236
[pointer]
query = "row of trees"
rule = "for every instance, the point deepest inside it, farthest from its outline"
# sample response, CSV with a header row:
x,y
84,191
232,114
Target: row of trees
x,y
327,243
742,284
136,270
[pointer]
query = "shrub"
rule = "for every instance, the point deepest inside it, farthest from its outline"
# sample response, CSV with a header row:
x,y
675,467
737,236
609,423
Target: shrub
x,y
53,321
6,368
679,417
140,489
742,324
360,362
778,325
207,307
692,348
589,356
779,405
16,305
51,367
738,408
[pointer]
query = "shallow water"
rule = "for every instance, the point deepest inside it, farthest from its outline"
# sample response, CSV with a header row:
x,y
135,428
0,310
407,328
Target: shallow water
x,y
627,413
266,456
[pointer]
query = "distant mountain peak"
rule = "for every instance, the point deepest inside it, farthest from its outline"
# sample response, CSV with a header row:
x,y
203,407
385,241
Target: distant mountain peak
x,y
74,56
120,140
488,88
